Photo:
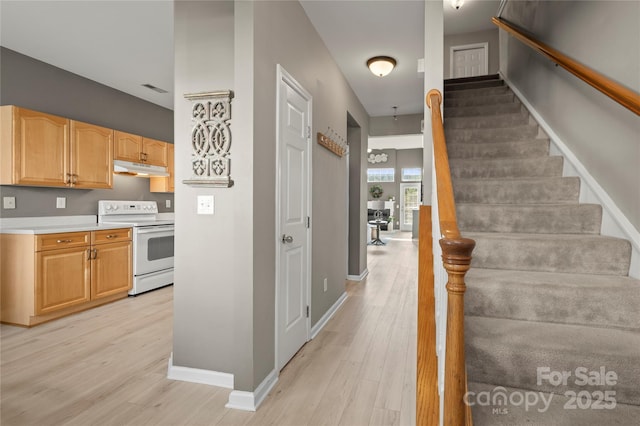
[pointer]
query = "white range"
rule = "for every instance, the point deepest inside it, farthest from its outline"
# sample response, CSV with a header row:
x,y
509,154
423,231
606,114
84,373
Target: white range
x,y
153,241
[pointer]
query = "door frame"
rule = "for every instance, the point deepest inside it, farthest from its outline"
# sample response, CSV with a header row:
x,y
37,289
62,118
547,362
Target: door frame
x,y
284,77
402,209
453,49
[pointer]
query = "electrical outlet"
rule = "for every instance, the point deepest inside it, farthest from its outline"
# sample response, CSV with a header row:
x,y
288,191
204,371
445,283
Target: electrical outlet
x,y
8,202
167,204
325,284
61,203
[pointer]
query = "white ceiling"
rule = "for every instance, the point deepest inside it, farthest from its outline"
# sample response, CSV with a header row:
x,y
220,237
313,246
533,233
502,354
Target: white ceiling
x,y
121,44
124,44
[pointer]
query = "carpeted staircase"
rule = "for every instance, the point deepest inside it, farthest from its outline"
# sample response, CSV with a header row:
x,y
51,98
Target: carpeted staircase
x,y
546,290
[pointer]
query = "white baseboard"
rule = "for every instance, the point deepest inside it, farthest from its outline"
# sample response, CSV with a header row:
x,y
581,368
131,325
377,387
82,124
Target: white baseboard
x,y
358,277
327,315
250,401
614,222
197,375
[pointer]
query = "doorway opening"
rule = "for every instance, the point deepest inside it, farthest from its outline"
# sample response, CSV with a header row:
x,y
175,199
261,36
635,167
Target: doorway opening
x,y
357,255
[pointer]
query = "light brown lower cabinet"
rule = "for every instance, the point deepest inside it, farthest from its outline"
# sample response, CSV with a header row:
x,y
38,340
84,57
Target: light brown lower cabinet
x,y
48,276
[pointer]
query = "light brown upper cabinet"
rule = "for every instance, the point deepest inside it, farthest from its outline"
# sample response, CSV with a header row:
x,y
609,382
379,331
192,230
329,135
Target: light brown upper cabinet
x,y
164,184
46,150
91,156
129,147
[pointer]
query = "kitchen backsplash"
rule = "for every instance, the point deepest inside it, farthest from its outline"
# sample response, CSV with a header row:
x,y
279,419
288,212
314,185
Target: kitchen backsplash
x,y
36,201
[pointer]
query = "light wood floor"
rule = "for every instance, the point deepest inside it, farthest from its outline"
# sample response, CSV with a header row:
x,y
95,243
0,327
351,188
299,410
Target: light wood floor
x,y
108,366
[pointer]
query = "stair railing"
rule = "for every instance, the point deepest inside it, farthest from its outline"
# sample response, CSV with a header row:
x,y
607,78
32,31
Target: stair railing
x,y
456,260
619,93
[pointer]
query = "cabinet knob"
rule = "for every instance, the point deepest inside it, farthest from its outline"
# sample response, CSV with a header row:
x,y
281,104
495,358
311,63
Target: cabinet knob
x,y
110,236
64,241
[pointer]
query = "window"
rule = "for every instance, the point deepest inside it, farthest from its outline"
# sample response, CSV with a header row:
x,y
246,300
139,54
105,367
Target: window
x,y
411,174
380,175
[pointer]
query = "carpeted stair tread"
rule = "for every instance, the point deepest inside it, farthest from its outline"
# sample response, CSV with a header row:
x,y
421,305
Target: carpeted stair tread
x,y
591,254
583,299
530,218
478,78
485,89
504,134
556,413
452,86
545,289
546,190
478,100
533,148
513,350
487,122
545,166
484,110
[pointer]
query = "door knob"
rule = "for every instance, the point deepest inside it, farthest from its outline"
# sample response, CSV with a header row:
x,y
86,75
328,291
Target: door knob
x,y
287,239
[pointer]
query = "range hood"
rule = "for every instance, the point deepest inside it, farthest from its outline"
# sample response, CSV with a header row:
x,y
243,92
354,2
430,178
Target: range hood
x,y
120,166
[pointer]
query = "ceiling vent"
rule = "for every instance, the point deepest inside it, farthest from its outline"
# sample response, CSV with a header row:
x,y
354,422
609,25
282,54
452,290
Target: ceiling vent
x,y
154,88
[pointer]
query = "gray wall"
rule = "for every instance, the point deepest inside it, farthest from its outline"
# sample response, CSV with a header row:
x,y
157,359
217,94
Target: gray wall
x,y
487,36
388,126
284,35
603,135
33,84
212,293
225,271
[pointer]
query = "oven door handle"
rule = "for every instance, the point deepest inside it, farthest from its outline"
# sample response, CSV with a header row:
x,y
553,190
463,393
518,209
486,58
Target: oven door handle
x,y
154,229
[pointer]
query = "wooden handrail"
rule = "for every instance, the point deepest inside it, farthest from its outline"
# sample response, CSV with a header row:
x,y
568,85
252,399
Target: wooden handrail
x,y
456,259
619,93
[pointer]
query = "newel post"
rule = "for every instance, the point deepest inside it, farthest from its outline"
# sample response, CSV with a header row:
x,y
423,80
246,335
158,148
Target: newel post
x,y
456,258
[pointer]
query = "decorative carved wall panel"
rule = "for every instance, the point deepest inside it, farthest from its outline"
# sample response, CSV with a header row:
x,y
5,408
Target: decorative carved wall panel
x,y
211,139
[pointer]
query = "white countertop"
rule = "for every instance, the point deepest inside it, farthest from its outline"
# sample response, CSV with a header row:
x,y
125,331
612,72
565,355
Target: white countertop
x,y
54,225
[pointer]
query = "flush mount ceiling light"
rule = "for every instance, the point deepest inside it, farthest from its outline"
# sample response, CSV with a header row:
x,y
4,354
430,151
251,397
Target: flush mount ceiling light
x,y
457,4
381,65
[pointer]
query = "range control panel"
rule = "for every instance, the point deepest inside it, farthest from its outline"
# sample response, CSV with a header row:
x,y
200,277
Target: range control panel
x,y
109,207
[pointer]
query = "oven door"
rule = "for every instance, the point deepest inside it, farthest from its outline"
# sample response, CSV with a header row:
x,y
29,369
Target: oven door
x,y
153,248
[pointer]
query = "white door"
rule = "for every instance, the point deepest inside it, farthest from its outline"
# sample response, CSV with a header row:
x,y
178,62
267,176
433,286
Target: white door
x,y
409,201
469,61
293,234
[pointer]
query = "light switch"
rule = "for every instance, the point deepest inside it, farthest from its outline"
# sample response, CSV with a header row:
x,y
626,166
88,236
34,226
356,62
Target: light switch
x,y
61,203
8,202
167,204
205,204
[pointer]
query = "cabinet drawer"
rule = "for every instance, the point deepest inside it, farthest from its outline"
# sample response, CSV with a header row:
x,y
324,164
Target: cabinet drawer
x,y
62,240
111,235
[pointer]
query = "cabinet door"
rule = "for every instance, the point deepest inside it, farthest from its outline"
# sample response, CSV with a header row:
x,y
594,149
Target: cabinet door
x,y
91,156
62,279
128,147
171,167
165,184
41,143
155,152
111,269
